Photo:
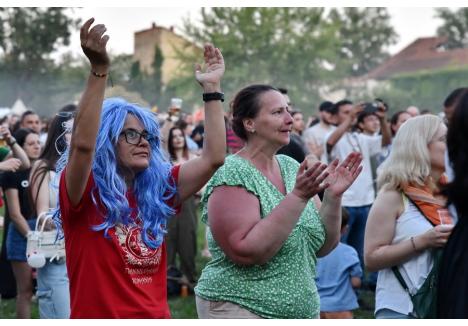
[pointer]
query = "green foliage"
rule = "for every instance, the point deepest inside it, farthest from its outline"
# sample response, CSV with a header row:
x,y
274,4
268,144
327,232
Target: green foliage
x,y
28,37
301,49
364,34
285,47
455,27
425,89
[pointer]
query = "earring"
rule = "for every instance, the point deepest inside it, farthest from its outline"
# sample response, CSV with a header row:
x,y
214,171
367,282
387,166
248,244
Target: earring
x,y
252,131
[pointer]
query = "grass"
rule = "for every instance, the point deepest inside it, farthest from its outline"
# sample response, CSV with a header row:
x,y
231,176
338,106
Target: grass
x,y
181,307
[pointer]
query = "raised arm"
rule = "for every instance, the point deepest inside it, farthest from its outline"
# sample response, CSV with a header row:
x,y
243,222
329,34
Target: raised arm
x,y
86,124
384,126
195,173
342,128
16,150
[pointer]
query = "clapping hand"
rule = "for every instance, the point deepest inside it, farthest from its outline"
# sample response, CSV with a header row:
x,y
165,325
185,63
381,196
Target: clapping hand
x,y
210,78
342,176
310,180
93,43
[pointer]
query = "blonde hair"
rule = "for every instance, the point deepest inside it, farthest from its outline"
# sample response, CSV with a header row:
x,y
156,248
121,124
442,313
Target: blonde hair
x,y
409,161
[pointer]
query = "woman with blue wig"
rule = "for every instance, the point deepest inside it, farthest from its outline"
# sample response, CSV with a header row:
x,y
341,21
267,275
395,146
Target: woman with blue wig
x,y
118,189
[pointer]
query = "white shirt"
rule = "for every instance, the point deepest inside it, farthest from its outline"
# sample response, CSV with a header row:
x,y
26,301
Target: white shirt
x,y
389,293
316,134
361,192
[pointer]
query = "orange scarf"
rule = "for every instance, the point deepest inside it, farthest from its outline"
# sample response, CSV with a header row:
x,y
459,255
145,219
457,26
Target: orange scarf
x,y
432,208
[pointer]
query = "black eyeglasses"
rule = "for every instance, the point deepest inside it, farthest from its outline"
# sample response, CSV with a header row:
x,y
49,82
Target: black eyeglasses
x,y
134,137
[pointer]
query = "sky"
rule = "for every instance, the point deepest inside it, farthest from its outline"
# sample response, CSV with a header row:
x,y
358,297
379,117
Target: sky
x,y
411,19
410,23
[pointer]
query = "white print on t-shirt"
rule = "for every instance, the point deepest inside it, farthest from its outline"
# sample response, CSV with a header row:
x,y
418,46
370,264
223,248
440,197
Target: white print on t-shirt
x,y
141,262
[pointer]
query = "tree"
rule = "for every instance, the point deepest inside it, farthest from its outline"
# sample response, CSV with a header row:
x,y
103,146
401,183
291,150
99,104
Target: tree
x,y
364,34
285,47
454,27
149,85
157,74
28,36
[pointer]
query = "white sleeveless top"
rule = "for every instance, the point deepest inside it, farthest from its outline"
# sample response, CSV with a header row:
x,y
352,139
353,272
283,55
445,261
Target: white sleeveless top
x,y
389,292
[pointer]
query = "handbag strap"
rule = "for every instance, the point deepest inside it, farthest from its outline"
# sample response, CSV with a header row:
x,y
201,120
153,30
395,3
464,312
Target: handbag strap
x,y
400,278
45,217
395,268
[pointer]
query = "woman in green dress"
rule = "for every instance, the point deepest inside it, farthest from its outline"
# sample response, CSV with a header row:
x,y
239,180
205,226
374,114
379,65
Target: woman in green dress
x,y
266,223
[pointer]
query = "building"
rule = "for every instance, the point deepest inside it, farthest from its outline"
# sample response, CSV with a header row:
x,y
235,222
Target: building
x,y
168,41
427,54
424,54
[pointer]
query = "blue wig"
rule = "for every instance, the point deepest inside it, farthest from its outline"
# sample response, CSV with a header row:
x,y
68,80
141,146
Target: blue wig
x,y
152,187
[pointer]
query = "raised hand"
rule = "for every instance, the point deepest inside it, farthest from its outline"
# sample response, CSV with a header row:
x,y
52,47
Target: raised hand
x,y
310,181
214,67
93,43
342,176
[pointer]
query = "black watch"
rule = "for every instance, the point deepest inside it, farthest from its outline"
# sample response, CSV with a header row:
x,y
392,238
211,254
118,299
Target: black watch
x,y
216,96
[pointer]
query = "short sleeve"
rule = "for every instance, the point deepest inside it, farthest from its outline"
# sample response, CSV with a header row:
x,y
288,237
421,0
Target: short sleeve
x,y
9,181
355,269
65,203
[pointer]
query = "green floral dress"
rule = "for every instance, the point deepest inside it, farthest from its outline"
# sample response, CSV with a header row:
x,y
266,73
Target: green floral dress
x,y
284,287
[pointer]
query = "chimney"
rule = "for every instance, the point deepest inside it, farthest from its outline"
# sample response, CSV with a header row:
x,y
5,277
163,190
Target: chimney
x,y
153,25
171,29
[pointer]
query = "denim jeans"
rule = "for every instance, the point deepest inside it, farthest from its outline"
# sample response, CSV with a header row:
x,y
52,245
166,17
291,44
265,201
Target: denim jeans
x,y
354,236
53,290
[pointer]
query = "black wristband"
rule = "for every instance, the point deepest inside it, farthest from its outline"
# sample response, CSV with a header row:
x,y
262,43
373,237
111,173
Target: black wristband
x,y
216,96
99,75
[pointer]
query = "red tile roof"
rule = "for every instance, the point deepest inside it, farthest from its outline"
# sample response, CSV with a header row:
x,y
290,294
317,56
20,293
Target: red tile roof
x,y
423,54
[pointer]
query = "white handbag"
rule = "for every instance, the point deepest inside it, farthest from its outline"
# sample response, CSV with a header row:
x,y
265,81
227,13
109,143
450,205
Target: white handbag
x,y
43,244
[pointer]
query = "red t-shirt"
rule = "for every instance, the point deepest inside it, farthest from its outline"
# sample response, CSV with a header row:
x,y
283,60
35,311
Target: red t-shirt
x,y
111,277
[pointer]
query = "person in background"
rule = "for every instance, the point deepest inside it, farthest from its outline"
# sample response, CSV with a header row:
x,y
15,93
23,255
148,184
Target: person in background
x,y
452,301
413,111
52,280
357,200
191,144
397,119
31,120
314,137
233,142
181,237
408,218
368,123
20,212
338,275
12,159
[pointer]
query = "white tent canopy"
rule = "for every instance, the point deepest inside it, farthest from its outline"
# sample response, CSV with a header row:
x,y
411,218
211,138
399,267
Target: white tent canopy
x,y
18,108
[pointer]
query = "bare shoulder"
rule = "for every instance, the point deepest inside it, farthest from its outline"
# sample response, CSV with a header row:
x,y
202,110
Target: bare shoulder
x,y
390,200
37,165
